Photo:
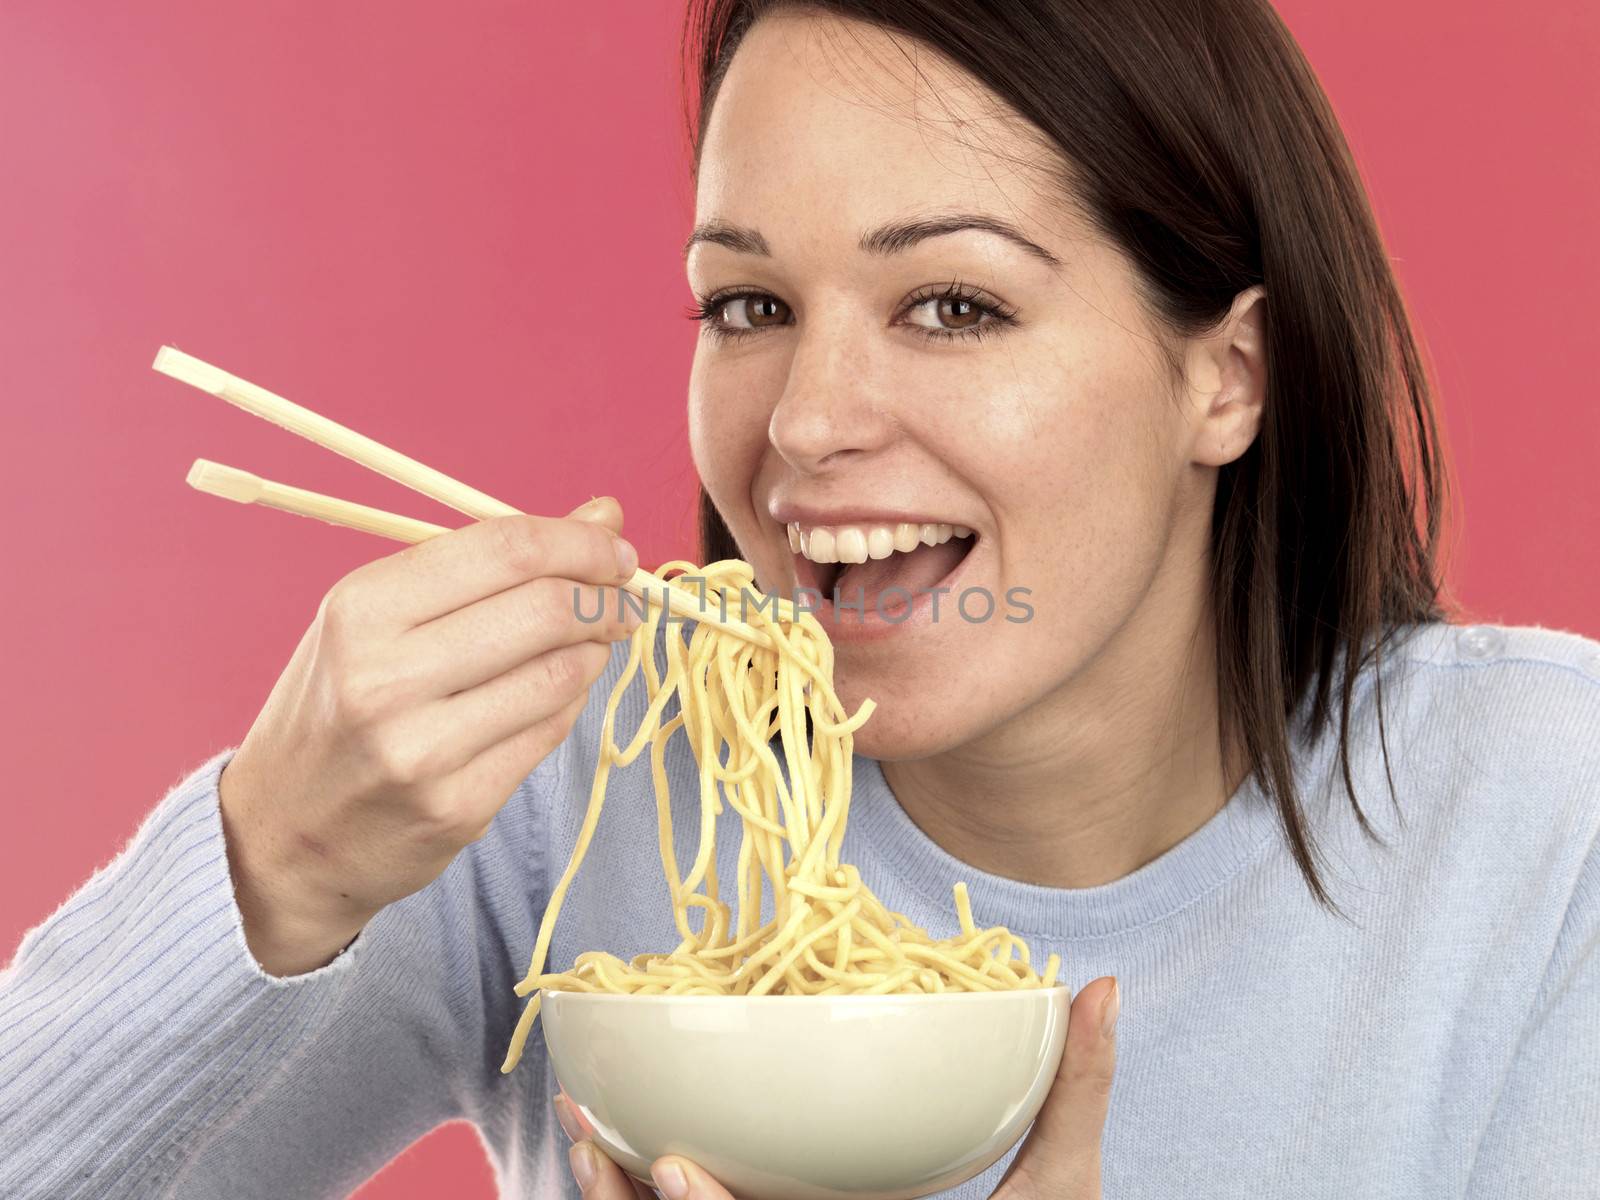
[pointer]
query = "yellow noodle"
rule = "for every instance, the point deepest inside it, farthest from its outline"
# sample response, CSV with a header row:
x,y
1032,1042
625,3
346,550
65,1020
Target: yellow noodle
x,y
829,934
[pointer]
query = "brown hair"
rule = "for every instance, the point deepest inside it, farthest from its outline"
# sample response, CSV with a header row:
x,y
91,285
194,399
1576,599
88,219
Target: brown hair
x,y
1195,136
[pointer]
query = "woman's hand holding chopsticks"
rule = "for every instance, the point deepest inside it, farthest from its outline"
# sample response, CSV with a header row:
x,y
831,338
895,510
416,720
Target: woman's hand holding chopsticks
x,y
429,685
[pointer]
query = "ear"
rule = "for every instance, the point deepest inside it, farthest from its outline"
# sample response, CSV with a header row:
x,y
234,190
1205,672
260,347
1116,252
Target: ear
x,y
1226,375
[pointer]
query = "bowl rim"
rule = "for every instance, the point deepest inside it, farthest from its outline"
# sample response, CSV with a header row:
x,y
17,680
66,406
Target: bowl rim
x,y
831,998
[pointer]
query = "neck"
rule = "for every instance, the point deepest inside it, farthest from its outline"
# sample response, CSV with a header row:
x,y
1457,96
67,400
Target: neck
x,y
1098,778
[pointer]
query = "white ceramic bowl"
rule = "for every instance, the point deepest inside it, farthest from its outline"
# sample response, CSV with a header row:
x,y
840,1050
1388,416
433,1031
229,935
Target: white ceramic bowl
x,y
810,1097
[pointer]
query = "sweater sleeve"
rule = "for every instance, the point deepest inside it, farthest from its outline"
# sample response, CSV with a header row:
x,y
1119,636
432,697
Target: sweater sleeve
x,y
143,1051
1543,1139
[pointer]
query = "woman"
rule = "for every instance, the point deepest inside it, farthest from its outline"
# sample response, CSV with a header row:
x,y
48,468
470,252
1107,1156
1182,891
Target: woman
x,y
1097,284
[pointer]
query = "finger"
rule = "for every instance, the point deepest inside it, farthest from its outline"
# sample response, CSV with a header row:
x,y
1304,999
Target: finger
x,y
484,639
679,1179
494,775
473,720
598,1177
600,510
441,737
578,1127
574,1123
1062,1150
440,575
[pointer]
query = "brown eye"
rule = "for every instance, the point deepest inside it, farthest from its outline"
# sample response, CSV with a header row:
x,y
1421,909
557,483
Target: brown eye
x,y
765,310
754,312
948,314
956,313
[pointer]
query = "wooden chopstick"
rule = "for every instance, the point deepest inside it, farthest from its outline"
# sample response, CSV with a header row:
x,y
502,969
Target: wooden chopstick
x,y
329,434
233,484
377,457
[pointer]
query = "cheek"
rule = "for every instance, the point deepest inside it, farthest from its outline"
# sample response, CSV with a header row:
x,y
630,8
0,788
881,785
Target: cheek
x,y
727,442
718,435
1102,493
1075,462
1075,468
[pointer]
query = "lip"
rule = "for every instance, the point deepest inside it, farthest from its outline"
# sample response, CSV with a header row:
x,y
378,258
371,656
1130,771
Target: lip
x,y
871,625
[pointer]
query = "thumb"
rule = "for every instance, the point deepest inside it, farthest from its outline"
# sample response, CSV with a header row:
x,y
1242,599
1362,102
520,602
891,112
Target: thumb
x,y
1061,1157
600,510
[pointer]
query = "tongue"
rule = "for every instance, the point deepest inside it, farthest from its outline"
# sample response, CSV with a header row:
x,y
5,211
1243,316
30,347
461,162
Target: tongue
x,y
914,571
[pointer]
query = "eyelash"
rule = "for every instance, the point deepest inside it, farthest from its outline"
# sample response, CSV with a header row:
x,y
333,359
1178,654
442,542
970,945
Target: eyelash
x,y
999,315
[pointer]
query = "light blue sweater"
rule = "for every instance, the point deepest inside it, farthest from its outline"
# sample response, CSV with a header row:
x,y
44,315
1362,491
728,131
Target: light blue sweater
x,y
1444,1044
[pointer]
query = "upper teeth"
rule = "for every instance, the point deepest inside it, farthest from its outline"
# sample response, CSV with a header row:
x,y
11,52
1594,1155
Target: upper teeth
x,y
857,543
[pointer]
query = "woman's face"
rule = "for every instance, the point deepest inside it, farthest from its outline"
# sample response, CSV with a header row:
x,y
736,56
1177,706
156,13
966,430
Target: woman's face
x,y
854,377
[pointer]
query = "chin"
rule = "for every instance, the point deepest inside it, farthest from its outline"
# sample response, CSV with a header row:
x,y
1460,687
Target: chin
x,y
899,731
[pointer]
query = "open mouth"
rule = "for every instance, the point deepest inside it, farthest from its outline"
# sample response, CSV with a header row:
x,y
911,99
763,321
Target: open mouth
x,y
885,570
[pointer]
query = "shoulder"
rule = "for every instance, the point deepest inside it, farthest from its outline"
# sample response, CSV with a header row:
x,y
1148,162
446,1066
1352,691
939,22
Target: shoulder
x,y
1529,693
1491,733
1447,645
1524,704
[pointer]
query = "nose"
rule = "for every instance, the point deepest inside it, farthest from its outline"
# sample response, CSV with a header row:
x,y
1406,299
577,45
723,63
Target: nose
x,y
833,407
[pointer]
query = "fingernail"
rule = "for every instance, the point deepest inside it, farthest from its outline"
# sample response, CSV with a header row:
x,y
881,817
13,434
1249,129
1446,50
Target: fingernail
x,y
627,558
569,1124
669,1177
1108,1014
584,1168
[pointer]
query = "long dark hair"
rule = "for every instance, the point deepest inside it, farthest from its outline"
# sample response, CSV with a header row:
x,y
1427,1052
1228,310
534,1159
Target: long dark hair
x,y
1195,135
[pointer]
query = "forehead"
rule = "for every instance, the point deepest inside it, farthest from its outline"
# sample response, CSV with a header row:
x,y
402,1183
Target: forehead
x,y
825,122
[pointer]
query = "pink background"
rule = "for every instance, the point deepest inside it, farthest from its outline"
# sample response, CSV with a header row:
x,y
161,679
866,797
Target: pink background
x,y
460,235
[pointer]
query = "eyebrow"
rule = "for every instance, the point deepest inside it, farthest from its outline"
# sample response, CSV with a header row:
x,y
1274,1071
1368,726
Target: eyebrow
x,y
886,239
